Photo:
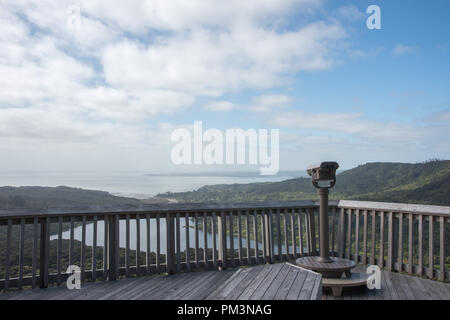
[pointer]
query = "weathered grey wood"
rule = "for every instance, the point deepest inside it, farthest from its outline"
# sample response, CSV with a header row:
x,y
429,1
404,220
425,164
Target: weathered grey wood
x,y
286,234
238,290
316,293
72,239
373,236
247,230
35,248
442,248
297,286
214,244
255,235
308,285
270,236
205,239
342,234
381,258
254,284
138,243
400,243
349,234
158,242
410,243
430,247
396,207
260,278
188,255
196,239
83,247
239,237
356,255
300,231
279,234
112,248
390,261
231,238
264,235
333,231
294,247
127,245
105,248
178,244
286,285
148,251
116,243
21,252
8,254
59,251
44,253
221,225
420,229
94,250
312,226
170,241
365,229
262,288
272,290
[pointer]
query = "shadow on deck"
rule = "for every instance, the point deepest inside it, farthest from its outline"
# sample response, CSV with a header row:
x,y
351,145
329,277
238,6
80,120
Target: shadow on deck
x,y
281,281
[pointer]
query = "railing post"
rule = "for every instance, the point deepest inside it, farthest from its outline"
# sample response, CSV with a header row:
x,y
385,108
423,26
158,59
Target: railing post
x,y
222,232
268,235
44,252
111,248
170,244
341,235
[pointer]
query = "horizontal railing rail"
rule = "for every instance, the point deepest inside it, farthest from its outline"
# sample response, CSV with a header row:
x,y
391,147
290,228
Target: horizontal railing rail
x,y
38,245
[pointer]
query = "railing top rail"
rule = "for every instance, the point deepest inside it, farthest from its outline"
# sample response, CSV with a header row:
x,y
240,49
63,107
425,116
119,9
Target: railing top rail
x,y
394,207
153,208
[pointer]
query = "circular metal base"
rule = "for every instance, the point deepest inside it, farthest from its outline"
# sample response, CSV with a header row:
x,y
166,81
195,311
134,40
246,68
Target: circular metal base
x,y
333,269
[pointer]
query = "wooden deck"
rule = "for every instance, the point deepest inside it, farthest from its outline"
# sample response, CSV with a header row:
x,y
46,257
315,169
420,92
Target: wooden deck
x,y
395,286
280,281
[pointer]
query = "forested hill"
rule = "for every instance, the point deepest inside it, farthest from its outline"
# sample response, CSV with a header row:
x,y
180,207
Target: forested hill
x,y
427,183
39,197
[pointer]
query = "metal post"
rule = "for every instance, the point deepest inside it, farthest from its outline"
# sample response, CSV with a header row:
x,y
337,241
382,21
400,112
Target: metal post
x,y
324,243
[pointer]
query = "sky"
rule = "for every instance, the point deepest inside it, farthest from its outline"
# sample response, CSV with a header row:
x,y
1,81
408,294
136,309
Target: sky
x,y
107,93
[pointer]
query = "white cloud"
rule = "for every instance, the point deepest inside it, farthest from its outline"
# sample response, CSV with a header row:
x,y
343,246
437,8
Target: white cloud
x,y
355,126
219,106
350,12
401,49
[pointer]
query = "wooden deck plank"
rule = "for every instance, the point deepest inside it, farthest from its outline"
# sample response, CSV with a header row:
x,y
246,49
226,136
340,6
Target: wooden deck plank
x,y
296,286
286,285
261,289
245,295
276,283
238,290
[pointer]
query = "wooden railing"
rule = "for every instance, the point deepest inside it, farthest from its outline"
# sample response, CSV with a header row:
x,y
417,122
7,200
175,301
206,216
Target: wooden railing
x,y
236,235
390,235
397,237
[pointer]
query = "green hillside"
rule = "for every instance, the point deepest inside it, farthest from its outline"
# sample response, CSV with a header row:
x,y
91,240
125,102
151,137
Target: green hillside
x,y
39,197
426,183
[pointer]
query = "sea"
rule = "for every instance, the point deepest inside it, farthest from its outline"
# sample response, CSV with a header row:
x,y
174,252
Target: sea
x,y
136,184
